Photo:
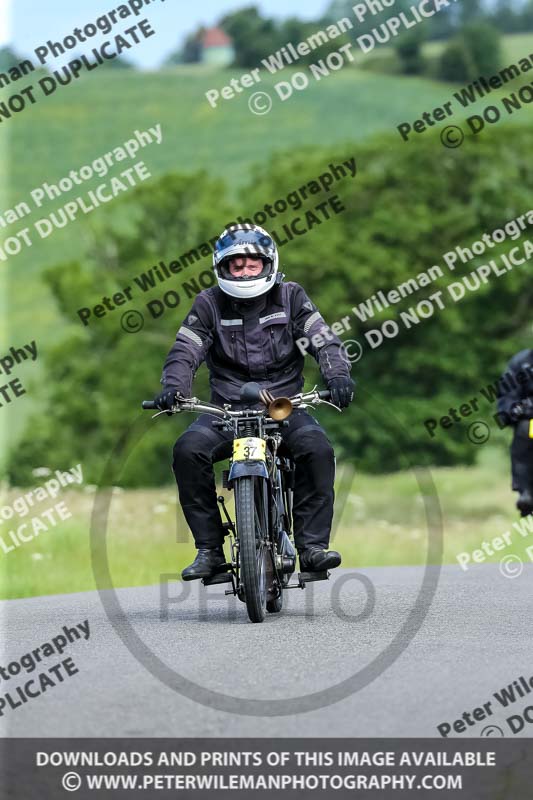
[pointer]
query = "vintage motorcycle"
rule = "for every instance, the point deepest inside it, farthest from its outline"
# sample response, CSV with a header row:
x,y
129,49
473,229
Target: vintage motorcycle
x,y
261,473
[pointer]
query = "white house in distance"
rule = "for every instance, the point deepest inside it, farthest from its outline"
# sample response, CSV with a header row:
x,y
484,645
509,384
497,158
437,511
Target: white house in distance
x,y
217,47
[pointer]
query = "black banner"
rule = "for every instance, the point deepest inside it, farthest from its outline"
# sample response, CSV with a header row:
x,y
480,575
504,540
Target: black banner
x,y
476,769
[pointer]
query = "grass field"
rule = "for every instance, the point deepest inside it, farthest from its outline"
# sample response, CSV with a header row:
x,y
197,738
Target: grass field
x,y
378,521
514,47
84,120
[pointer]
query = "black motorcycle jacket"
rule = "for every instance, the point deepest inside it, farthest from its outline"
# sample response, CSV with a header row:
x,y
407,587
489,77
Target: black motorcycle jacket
x,y
253,340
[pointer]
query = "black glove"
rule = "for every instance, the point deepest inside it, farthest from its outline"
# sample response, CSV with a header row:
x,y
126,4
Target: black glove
x,y
167,398
342,391
522,410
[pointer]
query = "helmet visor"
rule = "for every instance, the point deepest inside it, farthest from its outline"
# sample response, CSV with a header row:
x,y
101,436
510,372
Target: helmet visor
x,y
244,242
240,274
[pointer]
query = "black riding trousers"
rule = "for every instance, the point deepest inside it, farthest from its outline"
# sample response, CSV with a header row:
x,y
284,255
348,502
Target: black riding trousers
x,y
522,457
201,445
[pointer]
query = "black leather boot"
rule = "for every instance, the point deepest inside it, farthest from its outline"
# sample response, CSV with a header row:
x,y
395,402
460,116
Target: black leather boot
x,y
314,559
207,563
525,502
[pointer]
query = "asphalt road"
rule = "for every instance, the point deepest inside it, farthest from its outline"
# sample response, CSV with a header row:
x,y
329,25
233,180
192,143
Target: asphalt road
x,y
475,639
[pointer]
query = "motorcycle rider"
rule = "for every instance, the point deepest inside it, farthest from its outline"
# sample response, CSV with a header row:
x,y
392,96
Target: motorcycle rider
x,y
515,407
246,328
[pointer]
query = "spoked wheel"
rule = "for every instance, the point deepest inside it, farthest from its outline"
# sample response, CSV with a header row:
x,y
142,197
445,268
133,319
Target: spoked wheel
x,y
252,529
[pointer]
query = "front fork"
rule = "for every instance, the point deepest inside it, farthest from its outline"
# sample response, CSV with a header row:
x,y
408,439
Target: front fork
x,y
278,560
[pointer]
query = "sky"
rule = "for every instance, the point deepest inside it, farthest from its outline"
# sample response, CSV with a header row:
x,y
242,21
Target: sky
x,y
32,23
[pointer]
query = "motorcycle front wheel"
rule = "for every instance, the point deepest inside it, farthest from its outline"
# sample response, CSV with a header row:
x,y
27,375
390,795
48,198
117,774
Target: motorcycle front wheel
x,y
251,513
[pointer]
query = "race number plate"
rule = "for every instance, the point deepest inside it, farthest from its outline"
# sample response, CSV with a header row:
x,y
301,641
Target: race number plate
x,y
531,428
250,448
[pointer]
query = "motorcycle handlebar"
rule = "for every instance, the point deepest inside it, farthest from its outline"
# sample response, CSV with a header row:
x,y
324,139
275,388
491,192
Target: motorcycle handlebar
x,y
150,405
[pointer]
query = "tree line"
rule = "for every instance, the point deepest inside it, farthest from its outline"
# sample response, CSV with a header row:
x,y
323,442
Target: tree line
x,y
472,32
402,215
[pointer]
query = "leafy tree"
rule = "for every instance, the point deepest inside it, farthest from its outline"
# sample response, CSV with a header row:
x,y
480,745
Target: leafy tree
x,y
401,215
8,58
254,37
476,51
97,377
456,62
440,26
400,219
471,11
505,17
409,50
484,44
443,25
191,50
526,17
295,30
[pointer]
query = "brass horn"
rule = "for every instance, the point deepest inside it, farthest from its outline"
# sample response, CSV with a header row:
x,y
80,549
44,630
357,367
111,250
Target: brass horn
x,y
280,408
